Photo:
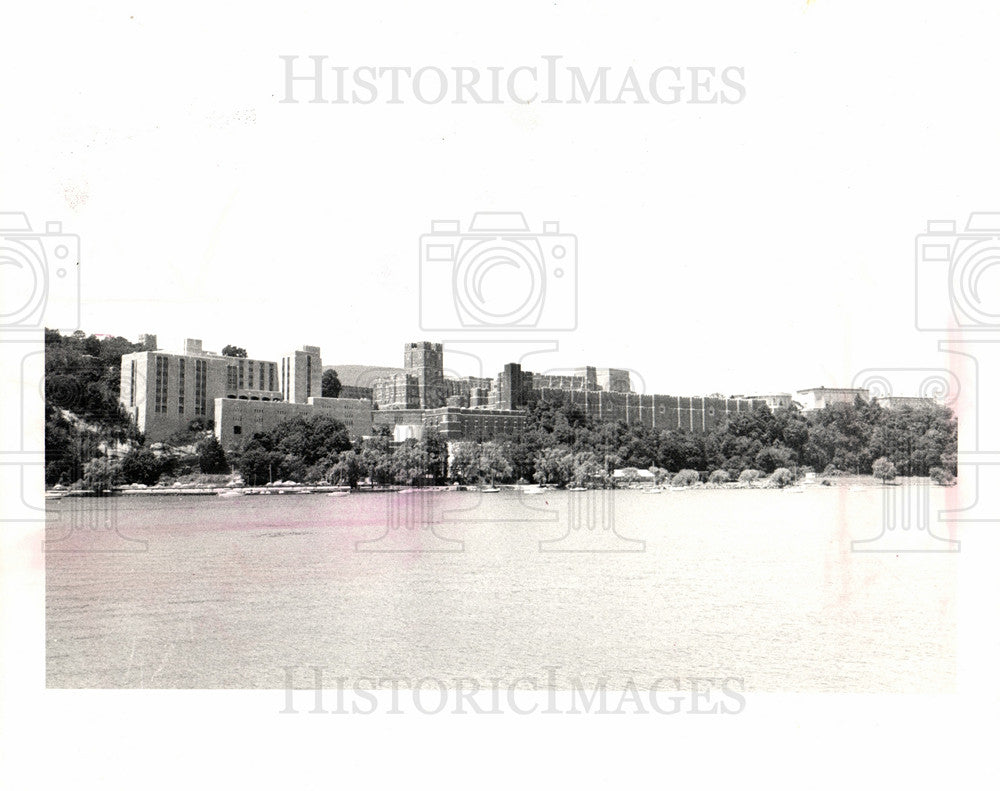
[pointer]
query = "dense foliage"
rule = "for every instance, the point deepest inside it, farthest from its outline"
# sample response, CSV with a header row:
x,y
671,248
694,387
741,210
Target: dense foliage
x,y
559,445
82,413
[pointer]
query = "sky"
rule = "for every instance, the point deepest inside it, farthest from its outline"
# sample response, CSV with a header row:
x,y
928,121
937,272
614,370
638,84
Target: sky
x,y
760,246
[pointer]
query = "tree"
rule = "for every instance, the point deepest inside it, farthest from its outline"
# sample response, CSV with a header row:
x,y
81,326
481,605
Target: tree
x,y
749,476
554,465
719,476
233,351
100,474
494,462
211,456
685,478
331,384
140,465
781,478
259,466
464,463
941,476
433,444
409,462
883,469
348,469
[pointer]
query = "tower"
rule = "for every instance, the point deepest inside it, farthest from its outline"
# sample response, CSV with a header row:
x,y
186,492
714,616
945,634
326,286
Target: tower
x,y
302,375
425,361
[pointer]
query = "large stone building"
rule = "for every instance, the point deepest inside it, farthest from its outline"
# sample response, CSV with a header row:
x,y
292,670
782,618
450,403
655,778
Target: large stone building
x,y
822,397
237,420
164,392
453,423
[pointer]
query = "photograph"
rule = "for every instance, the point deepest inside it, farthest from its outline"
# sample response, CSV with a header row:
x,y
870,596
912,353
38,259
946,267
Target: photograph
x,y
416,383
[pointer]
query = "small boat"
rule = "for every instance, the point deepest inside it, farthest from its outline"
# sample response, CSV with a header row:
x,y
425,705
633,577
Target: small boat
x,y
655,490
54,495
232,493
338,494
489,490
576,489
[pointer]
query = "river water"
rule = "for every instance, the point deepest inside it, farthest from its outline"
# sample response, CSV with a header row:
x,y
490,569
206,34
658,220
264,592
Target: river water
x,y
760,585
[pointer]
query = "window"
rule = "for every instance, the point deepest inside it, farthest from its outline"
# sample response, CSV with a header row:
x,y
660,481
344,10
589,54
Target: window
x,y
180,387
237,429
250,376
309,378
240,381
160,392
131,392
200,387
232,378
271,375
260,379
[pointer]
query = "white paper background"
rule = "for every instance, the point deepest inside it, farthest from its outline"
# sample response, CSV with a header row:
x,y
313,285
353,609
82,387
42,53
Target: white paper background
x,y
764,246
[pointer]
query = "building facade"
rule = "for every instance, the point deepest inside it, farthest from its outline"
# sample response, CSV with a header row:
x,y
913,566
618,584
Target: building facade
x,y
163,392
425,362
822,397
237,420
915,402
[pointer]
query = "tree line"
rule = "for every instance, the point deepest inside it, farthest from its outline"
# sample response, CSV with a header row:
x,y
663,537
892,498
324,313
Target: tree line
x,y
560,444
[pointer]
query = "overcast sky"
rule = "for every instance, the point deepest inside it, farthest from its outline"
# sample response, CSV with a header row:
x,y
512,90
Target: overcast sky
x,y
766,245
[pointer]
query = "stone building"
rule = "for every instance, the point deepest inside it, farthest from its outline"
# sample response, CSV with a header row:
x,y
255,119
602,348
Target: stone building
x,y
164,392
237,420
425,362
820,397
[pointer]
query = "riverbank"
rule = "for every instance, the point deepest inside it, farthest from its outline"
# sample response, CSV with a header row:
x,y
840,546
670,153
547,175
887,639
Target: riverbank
x,y
852,482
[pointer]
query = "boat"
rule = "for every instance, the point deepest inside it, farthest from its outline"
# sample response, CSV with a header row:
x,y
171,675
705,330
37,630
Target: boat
x,y
54,495
576,489
232,493
655,490
338,494
489,490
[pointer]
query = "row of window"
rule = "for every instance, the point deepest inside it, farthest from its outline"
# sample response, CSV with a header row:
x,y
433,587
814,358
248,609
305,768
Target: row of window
x,y
180,388
200,387
237,373
160,385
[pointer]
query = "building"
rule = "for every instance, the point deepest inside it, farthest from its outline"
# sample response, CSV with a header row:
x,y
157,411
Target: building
x,y
773,400
356,391
425,362
302,375
454,423
164,392
237,420
397,391
821,397
895,402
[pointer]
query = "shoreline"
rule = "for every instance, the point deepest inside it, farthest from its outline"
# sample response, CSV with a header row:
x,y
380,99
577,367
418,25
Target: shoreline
x,y
852,483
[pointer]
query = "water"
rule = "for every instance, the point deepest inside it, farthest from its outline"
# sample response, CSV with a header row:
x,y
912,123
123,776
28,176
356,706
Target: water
x,y
758,585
